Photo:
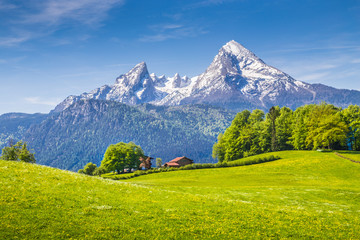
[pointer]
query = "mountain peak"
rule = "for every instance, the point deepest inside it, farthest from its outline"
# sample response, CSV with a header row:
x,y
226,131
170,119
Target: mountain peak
x,y
139,68
135,75
236,79
237,49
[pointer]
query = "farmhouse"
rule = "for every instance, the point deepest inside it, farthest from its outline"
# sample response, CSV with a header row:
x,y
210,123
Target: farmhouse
x,y
179,162
145,162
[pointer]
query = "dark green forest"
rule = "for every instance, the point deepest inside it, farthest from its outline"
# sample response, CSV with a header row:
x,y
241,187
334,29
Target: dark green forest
x,y
310,127
82,133
13,126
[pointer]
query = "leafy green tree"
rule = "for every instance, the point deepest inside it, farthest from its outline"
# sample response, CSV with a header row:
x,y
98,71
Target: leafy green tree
x,y
218,148
241,139
25,155
122,155
351,116
158,162
326,128
90,168
98,171
18,152
10,154
235,137
300,127
284,123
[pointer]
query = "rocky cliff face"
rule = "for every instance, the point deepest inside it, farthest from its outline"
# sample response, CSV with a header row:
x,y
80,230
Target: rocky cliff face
x,y
236,79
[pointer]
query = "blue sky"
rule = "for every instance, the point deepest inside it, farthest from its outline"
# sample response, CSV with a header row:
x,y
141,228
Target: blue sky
x,y
50,49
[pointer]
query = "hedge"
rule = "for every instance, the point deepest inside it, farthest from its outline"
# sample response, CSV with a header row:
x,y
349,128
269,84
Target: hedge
x,y
236,163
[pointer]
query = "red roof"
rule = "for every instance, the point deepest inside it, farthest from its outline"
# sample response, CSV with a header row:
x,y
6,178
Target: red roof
x,y
172,164
176,159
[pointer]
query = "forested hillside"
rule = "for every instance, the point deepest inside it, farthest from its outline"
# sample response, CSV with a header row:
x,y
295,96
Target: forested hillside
x,y
81,133
14,125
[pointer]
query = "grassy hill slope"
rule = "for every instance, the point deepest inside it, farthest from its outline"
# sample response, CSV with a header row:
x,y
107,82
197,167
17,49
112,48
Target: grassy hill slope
x,y
303,195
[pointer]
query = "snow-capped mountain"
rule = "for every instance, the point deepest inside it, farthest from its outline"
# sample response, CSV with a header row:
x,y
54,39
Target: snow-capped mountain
x,y
138,86
236,79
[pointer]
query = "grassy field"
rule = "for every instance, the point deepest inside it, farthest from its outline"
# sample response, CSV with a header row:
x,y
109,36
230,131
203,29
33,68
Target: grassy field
x,y
351,154
304,195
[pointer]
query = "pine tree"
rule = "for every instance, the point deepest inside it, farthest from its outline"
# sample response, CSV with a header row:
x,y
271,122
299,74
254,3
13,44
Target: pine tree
x,y
18,152
273,114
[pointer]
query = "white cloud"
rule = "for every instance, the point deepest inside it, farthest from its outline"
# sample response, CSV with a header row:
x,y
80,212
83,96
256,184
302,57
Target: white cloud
x,y
12,60
54,12
318,48
313,77
164,32
334,68
355,61
6,6
12,41
37,19
206,3
39,101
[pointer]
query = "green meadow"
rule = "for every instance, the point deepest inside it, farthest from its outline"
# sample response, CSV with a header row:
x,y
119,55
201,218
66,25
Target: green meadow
x,y
351,154
303,195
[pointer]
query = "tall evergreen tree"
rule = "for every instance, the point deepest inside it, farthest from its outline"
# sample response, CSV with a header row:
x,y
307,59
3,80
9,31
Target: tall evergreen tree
x,y
273,114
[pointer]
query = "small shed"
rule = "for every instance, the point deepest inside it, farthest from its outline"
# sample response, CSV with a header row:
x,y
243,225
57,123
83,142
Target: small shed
x,y
179,162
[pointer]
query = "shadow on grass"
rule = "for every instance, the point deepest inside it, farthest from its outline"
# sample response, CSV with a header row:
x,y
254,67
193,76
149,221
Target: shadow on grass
x,y
348,152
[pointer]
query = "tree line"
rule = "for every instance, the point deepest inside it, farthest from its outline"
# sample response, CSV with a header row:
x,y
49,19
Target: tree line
x,y
309,127
17,152
117,157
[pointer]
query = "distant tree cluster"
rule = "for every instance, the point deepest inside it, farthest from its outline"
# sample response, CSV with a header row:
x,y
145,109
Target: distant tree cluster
x,y
122,155
92,170
118,157
315,126
17,152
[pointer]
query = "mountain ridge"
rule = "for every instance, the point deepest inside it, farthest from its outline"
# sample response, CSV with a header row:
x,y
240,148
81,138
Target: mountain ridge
x,y
236,79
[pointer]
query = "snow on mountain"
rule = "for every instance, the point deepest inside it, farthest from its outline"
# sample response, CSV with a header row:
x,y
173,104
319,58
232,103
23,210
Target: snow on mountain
x,y
237,76
236,79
